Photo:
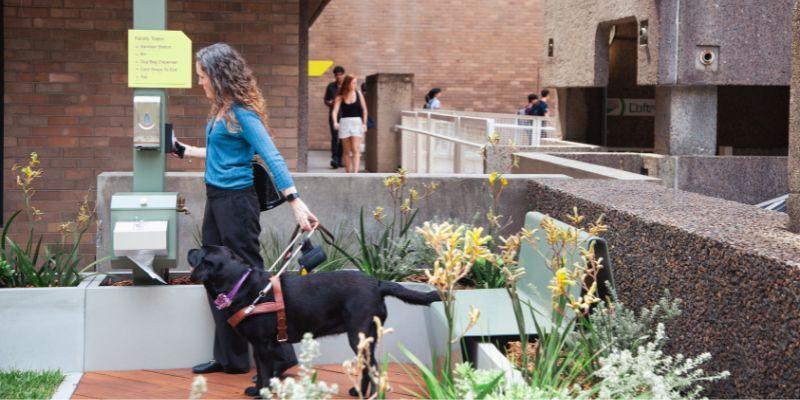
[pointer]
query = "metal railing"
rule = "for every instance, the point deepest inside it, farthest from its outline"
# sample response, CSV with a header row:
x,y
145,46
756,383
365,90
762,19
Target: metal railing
x,y
444,141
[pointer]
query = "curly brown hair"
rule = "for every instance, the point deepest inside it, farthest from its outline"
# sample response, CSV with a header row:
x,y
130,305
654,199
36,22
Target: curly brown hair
x,y
233,83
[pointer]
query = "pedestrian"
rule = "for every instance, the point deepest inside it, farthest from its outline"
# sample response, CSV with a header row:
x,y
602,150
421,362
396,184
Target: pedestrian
x,y
236,129
432,99
542,109
350,119
533,102
330,96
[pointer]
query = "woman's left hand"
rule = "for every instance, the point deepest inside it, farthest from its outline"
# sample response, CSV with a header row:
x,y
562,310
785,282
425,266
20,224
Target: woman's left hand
x,y
364,127
305,218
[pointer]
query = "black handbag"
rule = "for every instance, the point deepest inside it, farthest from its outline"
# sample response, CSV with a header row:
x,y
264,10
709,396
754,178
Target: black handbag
x,y
269,196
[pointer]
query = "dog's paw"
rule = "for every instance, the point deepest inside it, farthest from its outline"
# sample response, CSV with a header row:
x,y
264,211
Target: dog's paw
x,y
252,391
353,391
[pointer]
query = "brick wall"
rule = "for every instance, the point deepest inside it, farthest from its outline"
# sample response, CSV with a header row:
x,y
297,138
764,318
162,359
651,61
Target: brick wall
x,y
484,54
66,94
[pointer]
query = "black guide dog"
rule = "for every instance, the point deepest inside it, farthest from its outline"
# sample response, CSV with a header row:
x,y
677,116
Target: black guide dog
x,y
325,303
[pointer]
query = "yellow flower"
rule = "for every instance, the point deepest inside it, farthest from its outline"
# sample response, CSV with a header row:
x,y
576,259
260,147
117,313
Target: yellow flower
x,y
378,213
492,178
559,283
413,195
503,181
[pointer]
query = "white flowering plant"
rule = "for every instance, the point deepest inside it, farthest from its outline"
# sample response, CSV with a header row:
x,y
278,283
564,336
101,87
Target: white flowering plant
x,y
307,387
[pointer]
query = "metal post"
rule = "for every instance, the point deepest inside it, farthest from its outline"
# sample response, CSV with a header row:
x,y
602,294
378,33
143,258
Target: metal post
x,y
149,165
457,147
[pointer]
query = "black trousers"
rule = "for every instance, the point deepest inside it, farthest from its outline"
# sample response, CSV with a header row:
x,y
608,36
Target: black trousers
x,y
336,145
231,220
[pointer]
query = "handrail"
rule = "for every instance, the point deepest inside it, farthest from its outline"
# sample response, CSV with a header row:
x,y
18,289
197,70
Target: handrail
x,y
438,136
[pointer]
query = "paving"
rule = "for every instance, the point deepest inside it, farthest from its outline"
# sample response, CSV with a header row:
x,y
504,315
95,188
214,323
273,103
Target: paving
x,y
176,384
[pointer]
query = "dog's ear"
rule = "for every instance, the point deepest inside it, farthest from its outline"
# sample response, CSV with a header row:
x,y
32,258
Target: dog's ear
x,y
195,257
201,269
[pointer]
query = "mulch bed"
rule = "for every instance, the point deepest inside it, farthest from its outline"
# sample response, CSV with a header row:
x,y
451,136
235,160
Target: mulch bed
x,y
120,281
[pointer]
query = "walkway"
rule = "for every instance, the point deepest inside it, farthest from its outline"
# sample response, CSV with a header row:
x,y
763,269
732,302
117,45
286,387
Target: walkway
x,y
319,161
176,384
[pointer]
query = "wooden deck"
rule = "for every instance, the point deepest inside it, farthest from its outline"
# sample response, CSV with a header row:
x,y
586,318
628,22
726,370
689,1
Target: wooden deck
x,y
176,384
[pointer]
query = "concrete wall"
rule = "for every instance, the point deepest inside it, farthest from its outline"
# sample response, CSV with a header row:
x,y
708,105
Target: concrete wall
x,y
580,56
735,267
334,198
745,179
748,35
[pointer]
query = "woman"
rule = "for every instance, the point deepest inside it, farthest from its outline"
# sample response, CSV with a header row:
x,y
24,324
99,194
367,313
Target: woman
x,y
236,129
432,99
352,123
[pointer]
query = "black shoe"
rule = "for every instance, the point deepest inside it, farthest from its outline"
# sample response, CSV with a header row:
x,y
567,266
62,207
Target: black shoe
x,y
340,164
207,368
334,164
252,392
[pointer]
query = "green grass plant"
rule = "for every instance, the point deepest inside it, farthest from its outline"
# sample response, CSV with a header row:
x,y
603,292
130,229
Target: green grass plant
x,y
16,384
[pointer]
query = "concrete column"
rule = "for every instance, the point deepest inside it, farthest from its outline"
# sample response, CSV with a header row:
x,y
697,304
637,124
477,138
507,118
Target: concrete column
x,y
793,205
302,91
686,120
387,96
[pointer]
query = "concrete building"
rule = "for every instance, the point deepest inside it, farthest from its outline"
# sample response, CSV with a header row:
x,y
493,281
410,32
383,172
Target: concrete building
x,y
673,76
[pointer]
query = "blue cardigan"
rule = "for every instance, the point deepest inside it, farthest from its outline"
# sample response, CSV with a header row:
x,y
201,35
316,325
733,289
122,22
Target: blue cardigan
x,y
228,154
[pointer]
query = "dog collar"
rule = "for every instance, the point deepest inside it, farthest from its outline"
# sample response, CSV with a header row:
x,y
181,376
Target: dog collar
x,y
224,300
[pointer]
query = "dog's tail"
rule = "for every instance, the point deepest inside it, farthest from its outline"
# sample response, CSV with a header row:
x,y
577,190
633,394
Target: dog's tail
x,y
395,289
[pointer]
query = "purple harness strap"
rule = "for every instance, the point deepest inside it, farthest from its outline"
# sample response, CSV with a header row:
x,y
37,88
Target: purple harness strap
x,y
224,300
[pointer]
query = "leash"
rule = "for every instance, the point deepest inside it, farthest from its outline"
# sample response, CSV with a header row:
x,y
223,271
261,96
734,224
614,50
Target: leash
x,y
288,256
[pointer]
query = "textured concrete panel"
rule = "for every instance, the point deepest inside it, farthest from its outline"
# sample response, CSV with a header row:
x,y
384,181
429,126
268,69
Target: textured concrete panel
x,y
748,180
686,120
794,126
735,266
389,95
580,28
751,36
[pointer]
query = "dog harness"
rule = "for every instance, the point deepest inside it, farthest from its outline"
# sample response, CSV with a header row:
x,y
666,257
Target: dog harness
x,y
276,306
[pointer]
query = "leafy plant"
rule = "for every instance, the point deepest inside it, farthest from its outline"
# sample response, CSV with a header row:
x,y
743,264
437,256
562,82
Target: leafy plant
x,y
465,383
32,264
618,327
648,372
384,258
273,243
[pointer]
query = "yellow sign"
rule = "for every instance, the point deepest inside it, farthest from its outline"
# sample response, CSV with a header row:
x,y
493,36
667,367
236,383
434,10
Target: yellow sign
x,y
159,59
317,68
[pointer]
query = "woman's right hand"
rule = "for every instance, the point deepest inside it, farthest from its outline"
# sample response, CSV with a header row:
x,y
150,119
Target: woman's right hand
x,y
336,126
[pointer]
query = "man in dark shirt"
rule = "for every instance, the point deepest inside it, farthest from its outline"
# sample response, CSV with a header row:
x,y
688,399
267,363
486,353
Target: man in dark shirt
x,y
330,97
541,109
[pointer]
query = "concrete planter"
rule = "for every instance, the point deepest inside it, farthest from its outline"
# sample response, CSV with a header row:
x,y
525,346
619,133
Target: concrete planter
x,y
162,327
43,328
496,319
147,327
489,357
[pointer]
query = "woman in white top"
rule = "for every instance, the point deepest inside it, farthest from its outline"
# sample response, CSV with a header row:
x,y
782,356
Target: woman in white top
x,y
432,99
352,123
